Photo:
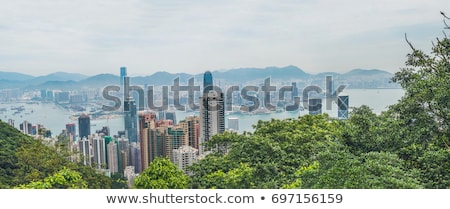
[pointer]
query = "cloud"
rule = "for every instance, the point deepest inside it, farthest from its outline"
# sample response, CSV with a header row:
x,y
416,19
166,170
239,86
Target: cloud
x,y
44,36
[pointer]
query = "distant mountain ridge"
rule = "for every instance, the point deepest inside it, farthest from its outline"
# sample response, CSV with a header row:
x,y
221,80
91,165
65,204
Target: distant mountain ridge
x,y
13,76
357,78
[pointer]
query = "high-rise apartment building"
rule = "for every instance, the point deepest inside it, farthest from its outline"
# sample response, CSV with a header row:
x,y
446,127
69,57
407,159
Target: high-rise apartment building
x,y
191,126
184,157
124,153
135,156
99,151
113,158
26,127
294,91
146,121
85,150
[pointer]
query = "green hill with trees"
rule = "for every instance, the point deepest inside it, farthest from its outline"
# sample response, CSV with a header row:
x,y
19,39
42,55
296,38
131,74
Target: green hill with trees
x,y
28,163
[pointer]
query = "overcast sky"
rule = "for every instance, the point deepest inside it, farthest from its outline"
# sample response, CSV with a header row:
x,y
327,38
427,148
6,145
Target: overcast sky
x,y
90,36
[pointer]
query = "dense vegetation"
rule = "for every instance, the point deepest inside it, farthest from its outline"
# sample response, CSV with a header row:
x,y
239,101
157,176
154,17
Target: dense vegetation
x,y
367,151
162,174
28,163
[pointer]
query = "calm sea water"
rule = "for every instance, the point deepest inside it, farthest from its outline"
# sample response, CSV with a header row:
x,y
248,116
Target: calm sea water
x,y
55,118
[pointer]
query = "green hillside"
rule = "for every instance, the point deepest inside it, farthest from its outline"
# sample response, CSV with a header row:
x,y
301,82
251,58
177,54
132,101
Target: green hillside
x,y
24,160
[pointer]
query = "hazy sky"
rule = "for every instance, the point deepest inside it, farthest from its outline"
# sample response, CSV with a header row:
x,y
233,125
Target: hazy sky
x,y
92,36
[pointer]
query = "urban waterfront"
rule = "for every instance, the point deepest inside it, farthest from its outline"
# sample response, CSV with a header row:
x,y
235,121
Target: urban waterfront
x,y
55,117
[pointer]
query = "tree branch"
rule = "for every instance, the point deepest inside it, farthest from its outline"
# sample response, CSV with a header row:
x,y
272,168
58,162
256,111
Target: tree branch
x,y
443,14
409,43
446,25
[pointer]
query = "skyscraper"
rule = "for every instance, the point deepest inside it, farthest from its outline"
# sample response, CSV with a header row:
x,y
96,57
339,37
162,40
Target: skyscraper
x,y
71,129
124,154
99,151
330,87
173,138
135,155
207,80
191,126
342,107
145,120
294,91
85,151
123,73
107,139
26,127
113,158
130,112
212,111
84,126
155,145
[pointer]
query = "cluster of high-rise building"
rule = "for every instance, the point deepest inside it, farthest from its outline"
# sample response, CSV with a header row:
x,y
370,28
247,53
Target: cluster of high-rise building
x,y
148,135
28,128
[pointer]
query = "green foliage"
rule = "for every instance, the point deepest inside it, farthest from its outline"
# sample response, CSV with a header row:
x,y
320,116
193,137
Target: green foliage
x,y
373,170
162,174
10,140
118,182
212,163
64,179
435,166
24,160
426,104
272,154
94,179
297,181
236,178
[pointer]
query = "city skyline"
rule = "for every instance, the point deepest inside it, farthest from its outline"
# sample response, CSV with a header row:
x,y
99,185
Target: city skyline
x,y
39,38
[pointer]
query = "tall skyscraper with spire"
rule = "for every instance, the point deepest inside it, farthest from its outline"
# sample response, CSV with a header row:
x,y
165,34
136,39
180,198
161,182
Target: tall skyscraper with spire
x,y
207,80
212,111
130,112
123,73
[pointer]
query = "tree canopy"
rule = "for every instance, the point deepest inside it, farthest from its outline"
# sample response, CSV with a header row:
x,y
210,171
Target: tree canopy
x,y
162,174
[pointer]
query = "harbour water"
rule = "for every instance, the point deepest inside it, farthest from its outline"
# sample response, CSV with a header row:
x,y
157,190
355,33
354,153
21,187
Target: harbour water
x,y
55,118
